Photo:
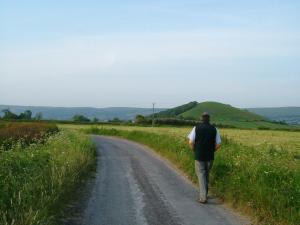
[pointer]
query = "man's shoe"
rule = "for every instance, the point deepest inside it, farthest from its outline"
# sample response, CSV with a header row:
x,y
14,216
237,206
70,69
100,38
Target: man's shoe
x,y
202,201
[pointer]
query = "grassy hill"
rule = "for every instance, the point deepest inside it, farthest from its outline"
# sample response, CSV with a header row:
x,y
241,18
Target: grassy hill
x,y
221,114
175,112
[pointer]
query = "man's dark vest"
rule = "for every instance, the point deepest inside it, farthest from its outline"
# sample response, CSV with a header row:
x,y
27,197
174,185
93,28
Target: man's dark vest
x,y
205,142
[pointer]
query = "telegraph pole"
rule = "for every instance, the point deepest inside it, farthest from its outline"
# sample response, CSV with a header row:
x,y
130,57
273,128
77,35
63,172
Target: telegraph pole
x,y
153,104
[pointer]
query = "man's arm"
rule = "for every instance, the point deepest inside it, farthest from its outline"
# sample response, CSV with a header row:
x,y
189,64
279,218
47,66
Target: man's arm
x,y
218,140
191,144
191,138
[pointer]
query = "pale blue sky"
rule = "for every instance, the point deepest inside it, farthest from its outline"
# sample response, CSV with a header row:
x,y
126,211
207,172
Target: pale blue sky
x,y
132,53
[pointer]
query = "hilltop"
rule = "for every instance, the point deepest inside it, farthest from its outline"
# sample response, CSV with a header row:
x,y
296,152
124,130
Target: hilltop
x,y
176,111
221,114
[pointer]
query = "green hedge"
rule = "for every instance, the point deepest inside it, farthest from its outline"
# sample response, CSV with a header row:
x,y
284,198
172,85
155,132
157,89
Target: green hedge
x,y
265,182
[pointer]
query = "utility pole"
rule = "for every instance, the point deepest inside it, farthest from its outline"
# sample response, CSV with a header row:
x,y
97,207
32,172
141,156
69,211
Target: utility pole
x,y
153,104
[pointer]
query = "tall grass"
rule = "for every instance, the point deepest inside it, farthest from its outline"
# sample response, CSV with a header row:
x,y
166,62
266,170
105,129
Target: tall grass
x,y
24,133
33,180
265,183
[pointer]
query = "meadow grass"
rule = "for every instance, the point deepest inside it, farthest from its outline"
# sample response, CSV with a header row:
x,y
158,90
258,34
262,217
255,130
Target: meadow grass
x,y
24,133
35,179
264,181
263,139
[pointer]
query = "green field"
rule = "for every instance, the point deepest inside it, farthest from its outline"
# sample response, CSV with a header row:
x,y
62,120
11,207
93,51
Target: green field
x,y
286,140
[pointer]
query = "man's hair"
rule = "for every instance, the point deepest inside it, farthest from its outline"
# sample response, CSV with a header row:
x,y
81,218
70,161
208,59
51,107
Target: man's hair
x,y
205,117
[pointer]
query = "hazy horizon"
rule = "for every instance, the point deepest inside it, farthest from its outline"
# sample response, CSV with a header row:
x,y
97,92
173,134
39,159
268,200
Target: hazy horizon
x,y
57,106
132,53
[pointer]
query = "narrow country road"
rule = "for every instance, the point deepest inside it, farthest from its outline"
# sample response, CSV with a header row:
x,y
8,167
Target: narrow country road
x,y
132,185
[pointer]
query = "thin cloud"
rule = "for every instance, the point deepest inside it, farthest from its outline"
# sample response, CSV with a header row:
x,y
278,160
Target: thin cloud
x,y
99,54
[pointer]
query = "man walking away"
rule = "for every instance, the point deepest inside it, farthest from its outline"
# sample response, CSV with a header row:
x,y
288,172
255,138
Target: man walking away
x,y
204,140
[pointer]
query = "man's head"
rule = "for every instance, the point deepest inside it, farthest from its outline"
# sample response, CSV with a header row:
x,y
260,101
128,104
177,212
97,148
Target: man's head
x,y
205,117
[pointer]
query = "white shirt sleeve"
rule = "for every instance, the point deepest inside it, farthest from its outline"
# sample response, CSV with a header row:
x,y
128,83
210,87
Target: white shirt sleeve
x,y
218,138
192,135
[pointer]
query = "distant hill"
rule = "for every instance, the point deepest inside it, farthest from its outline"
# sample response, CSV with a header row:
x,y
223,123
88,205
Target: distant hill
x,y
288,114
221,114
176,111
66,113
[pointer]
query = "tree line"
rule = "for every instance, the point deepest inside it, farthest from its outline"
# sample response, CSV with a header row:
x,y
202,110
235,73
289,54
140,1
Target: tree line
x,y
79,118
26,115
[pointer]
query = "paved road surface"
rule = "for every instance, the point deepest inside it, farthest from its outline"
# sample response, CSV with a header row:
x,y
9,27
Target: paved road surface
x,y
132,185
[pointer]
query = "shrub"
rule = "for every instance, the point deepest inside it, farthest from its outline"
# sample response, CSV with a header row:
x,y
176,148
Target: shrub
x,y
80,118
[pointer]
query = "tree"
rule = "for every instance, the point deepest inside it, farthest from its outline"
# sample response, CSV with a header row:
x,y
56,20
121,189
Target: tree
x,y
80,118
140,119
39,116
95,120
116,120
8,115
26,115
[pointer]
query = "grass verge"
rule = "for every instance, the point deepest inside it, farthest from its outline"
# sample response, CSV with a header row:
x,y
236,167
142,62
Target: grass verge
x,y
33,180
265,183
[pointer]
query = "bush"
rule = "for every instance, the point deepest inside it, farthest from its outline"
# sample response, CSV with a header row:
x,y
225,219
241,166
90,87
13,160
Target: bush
x,y
80,118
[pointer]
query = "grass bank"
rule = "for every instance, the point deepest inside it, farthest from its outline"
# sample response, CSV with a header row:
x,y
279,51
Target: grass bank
x,y
266,183
34,180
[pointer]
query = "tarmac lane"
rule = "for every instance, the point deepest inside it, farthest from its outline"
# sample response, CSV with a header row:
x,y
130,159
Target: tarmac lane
x,y
134,186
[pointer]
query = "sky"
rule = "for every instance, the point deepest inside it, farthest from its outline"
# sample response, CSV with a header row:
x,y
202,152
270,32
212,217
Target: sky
x,y
132,53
